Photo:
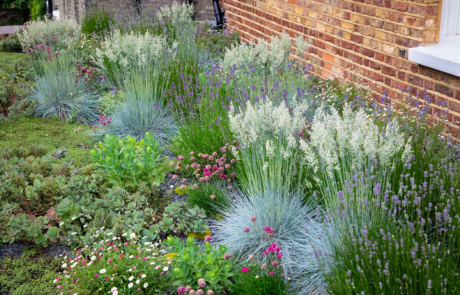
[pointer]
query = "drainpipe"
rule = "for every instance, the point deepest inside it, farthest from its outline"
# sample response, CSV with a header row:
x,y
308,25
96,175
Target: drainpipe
x,y
220,19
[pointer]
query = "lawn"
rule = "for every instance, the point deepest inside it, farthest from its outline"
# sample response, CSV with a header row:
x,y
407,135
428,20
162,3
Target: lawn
x,y
52,134
8,59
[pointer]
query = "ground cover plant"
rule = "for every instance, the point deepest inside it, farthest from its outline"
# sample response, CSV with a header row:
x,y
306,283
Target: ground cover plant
x,y
158,132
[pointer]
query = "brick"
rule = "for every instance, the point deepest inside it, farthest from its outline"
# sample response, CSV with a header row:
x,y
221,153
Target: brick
x,y
443,90
389,71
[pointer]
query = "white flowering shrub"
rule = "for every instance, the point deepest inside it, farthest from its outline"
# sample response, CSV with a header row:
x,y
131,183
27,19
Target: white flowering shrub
x,y
272,133
115,265
48,32
176,13
125,54
261,55
352,139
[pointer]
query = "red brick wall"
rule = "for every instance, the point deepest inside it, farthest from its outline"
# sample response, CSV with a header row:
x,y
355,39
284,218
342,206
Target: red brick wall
x,y
369,36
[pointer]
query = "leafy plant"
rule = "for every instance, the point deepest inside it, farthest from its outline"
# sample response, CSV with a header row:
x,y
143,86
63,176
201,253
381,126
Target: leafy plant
x,y
11,44
37,9
181,219
115,267
127,162
198,268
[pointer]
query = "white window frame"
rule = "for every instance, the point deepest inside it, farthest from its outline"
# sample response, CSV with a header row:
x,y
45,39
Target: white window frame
x,y
444,56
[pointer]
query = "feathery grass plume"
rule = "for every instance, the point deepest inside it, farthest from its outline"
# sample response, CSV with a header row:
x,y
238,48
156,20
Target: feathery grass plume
x,y
340,144
47,32
59,93
241,228
126,57
262,56
269,139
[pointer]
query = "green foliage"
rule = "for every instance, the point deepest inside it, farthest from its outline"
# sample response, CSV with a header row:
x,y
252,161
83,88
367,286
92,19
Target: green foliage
x,y
127,162
108,266
46,199
257,281
97,20
181,219
215,42
192,263
11,44
37,9
29,274
52,134
8,60
19,4
203,197
14,87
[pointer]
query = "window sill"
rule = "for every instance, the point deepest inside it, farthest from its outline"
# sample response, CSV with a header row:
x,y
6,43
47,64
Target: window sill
x,y
440,57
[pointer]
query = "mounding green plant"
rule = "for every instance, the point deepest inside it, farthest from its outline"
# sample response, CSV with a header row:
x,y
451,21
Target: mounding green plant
x,y
197,268
125,265
97,20
126,162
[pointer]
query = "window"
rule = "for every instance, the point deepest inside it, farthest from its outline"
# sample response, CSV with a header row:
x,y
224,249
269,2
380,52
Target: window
x,y
444,56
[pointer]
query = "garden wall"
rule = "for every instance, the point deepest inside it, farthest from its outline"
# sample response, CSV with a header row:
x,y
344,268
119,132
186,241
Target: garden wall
x,y
369,36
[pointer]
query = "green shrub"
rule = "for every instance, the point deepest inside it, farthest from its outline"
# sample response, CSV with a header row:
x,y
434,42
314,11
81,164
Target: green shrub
x,y
208,268
115,267
11,44
37,9
127,162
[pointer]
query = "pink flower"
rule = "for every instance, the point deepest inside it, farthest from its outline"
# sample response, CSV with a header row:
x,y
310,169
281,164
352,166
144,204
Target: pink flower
x,y
226,256
246,229
267,229
227,166
180,158
279,255
265,252
110,260
106,279
253,219
181,290
275,263
207,173
205,170
104,123
215,168
100,249
222,175
208,238
95,275
272,273
144,258
134,267
74,281
232,175
245,269
192,159
59,287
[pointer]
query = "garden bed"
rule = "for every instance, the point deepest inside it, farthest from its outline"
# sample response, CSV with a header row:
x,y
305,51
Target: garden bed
x,y
144,153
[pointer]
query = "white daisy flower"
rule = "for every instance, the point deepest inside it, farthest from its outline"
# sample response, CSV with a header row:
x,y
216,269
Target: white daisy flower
x,y
93,258
165,268
115,292
146,285
138,281
102,271
131,278
113,289
144,275
130,285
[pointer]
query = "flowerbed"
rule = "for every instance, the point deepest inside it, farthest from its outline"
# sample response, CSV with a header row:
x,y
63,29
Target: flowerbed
x,y
290,185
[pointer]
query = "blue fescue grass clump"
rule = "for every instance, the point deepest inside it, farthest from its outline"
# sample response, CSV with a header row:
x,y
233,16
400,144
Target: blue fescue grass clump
x,y
61,95
243,227
137,116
